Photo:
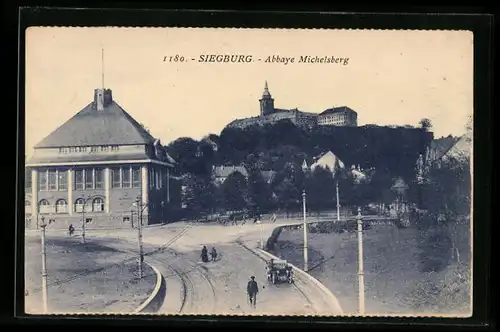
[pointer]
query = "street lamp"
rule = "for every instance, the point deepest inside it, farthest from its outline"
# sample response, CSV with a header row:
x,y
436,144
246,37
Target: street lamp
x,y
305,231
338,203
261,234
44,266
83,218
162,204
140,209
305,168
361,278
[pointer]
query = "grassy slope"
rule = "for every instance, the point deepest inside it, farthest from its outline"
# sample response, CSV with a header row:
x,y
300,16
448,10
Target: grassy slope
x,y
393,280
113,289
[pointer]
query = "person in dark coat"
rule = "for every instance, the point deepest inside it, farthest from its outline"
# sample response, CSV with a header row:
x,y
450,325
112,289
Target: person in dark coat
x,y
213,253
204,254
252,290
71,229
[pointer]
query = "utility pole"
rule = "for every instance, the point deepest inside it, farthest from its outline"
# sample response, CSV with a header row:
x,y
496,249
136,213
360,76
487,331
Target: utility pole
x,y
306,259
139,235
44,268
261,235
338,203
361,277
83,220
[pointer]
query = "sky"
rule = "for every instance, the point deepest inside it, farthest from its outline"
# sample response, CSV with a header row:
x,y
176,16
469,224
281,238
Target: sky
x,y
392,77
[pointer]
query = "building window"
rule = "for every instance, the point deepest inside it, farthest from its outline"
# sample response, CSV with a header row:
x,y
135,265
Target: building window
x,y
99,178
62,180
89,178
116,177
61,206
44,206
79,179
160,178
42,180
136,177
79,204
27,179
98,205
126,177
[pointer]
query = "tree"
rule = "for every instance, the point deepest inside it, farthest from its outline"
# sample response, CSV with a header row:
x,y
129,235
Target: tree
x,y
288,195
425,124
320,189
259,193
235,193
447,189
193,157
199,195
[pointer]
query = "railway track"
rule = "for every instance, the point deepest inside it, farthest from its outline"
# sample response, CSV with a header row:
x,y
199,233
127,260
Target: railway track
x,y
198,294
105,267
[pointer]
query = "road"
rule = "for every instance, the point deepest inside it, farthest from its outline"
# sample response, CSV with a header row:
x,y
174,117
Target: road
x,y
217,287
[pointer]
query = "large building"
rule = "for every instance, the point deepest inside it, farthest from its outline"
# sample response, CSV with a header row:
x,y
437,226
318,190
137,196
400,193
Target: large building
x,y
101,166
270,115
338,116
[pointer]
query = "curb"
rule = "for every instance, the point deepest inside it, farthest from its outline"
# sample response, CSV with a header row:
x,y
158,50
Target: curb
x,y
334,303
155,300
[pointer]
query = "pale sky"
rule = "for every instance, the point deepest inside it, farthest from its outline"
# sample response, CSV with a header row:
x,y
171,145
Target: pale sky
x,y
393,77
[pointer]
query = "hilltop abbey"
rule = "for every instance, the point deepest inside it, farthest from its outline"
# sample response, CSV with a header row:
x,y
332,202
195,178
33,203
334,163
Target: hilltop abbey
x,y
337,116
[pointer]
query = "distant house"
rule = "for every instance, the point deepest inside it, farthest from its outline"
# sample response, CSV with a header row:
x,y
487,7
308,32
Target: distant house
x,y
268,176
330,160
439,147
358,174
221,172
461,149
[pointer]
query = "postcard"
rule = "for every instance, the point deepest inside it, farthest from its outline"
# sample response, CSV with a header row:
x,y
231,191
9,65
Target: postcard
x,y
218,171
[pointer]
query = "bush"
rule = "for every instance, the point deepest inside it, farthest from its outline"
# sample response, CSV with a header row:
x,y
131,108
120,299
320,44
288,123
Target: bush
x,y
435,248
423,293
456,295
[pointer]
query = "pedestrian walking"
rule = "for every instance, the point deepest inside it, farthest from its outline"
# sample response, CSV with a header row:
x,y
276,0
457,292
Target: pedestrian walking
x,y
273,218
71,229
252,290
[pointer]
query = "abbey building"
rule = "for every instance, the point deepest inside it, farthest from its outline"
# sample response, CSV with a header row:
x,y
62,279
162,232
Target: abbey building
x,y
269,114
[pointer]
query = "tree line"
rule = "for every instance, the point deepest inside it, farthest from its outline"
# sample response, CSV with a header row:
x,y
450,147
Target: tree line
x,y
282,148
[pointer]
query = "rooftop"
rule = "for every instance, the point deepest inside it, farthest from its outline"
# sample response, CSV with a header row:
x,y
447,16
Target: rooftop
x,y
102,122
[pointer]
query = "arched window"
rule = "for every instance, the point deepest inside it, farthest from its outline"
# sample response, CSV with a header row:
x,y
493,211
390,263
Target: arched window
x,y
79,203
61,206
98,205
45,206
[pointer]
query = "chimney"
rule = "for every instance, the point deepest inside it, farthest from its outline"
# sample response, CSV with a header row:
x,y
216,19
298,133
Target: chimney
x,y
102,98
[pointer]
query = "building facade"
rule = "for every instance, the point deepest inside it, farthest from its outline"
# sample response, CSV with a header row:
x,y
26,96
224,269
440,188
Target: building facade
x,y
101,167
338,116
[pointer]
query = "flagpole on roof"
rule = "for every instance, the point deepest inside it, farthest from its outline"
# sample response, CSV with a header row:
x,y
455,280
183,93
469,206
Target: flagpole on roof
x,y
102,68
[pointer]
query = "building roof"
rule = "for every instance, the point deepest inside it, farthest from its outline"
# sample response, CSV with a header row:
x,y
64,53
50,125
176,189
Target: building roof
x,y
337,110
461,148
439,147
222,171
111,126
330,160
268,175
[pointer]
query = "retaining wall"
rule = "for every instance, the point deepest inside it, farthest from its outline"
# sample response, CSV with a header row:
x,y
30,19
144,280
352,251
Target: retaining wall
x,y
155,300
